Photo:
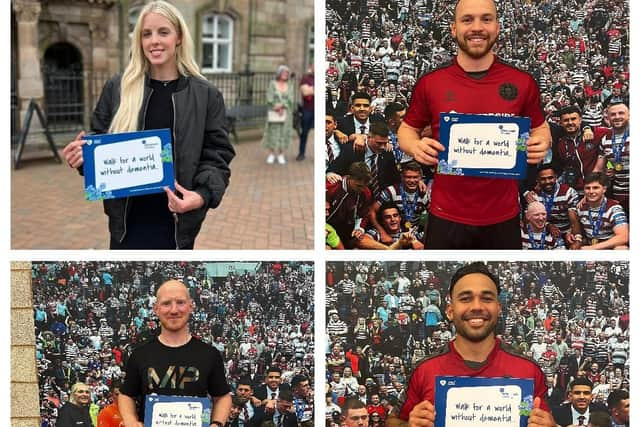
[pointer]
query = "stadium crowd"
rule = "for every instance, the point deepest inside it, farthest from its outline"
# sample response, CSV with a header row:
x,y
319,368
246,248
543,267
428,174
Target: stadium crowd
x,y
572,318
89,315
577,51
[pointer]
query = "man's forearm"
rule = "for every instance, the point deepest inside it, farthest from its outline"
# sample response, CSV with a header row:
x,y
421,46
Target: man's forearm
x,y
369,243
574,222
127,408
221,408
373,217
408,137
620,237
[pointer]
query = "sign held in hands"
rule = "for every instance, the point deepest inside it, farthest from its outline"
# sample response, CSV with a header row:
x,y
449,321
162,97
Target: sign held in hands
x,y
127,164
177,411
490,402
484,145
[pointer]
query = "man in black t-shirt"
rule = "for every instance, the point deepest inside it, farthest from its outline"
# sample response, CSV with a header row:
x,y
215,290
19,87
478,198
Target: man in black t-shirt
x,y
174,363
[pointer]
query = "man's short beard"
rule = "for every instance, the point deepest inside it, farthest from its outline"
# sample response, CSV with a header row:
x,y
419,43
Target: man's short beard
x,y
462,45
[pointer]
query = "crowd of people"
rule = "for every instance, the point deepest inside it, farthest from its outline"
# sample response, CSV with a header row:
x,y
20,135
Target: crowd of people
x,y
384,318
578,54
90,315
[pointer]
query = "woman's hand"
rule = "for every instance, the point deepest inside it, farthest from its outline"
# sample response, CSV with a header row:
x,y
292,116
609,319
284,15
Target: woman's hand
x,y
190,199
73,151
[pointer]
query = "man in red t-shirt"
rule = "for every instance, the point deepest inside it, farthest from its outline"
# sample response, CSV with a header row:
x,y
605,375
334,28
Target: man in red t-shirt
x,y
475,352
470,212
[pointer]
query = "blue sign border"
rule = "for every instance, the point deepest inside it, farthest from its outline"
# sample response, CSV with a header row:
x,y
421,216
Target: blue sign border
x,y
519,171
526,385
152,399
94,192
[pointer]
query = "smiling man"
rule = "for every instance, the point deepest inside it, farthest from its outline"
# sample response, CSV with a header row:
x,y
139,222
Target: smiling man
x,y
412,202
174,363
270,390
380,162
536,232
604,222
473,212
475,351
577,411
559,200
615,145
577,156
389,219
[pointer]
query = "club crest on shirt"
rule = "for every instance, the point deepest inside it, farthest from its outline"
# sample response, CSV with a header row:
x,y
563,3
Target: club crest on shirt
x,y
451,96
508,91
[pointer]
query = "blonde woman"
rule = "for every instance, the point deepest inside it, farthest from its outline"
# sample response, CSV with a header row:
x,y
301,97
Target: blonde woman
x,y
279,127
162,87
76,411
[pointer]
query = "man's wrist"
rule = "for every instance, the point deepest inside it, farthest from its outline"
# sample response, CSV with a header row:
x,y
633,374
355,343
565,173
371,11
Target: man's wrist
x,y
217,423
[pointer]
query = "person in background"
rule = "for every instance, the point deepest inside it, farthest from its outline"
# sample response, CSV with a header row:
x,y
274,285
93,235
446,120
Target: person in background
x,y
278,129
577,410
75,413
109,416
618,404
306,90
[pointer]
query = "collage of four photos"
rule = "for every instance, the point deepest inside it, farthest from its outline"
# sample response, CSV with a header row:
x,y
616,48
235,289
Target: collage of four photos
x,y
473,130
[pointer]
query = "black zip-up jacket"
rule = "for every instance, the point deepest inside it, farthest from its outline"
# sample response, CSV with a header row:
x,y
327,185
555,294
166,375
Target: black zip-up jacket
x,y
202,151
72,415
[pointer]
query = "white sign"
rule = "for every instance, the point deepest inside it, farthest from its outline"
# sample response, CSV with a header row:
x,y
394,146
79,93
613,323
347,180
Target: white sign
x,y
128,163
489,406
177,414
483,145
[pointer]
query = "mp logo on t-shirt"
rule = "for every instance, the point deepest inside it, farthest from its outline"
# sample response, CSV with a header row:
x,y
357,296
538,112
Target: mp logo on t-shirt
x,y
175,377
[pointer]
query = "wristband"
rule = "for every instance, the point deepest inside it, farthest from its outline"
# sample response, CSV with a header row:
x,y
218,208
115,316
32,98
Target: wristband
x,y
578,237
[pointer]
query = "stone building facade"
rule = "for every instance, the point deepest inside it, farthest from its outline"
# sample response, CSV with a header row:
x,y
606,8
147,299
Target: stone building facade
x,y
91,37
25,405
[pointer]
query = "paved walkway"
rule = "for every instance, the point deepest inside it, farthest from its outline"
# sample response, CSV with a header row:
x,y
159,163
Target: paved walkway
x,y
265,206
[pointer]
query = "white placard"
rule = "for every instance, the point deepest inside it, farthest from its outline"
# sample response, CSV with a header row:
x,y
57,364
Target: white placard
x,y
128,163
490,406
483,145
176,414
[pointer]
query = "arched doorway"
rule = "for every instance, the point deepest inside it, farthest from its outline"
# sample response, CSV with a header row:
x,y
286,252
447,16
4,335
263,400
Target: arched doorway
x,y
63,87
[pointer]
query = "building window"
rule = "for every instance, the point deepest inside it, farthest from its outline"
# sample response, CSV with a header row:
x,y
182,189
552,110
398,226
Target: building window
x,y
132,18
217,43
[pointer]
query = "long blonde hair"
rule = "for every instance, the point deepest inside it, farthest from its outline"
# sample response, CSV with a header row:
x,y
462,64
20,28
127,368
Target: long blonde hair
x,y
132,83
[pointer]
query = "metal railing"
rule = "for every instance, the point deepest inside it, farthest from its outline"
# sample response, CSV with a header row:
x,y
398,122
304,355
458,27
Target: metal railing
x,y
71,96
244,96
64,100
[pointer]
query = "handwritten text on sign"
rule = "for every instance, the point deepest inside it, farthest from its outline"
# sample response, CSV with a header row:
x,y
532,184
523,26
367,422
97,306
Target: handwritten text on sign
x,y
492,406
129,164
177,414
483,145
